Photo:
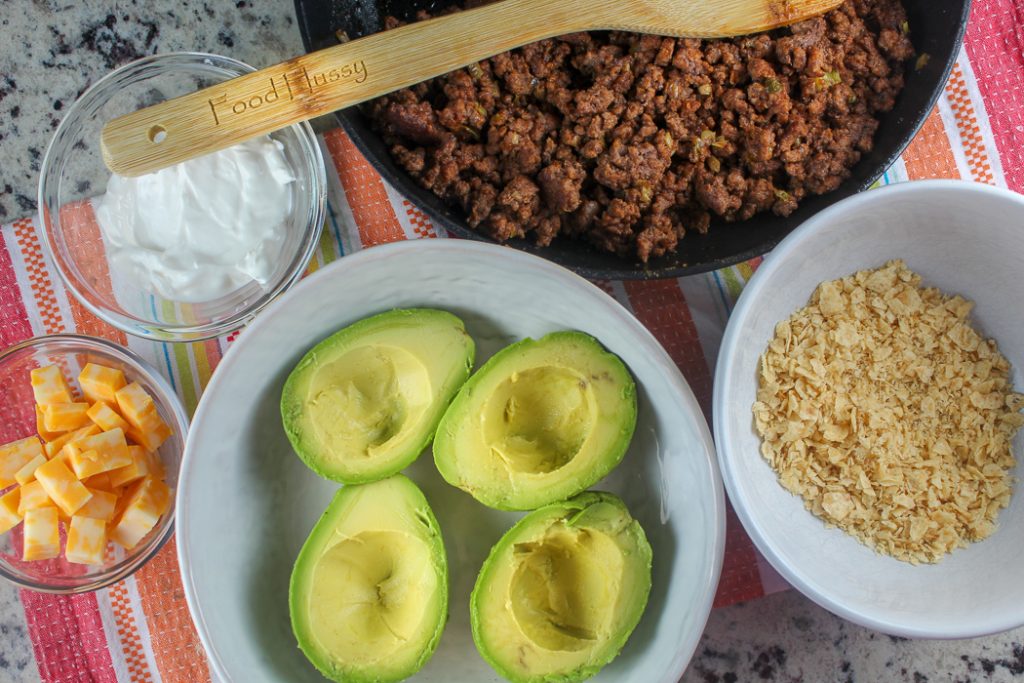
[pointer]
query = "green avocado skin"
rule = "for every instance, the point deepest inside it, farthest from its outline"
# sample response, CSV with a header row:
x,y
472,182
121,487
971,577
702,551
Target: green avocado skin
x,y
311,452
580,350
297,585
574,512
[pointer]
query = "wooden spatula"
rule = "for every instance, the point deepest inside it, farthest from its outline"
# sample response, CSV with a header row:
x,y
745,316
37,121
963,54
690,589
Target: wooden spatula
x,y
321,82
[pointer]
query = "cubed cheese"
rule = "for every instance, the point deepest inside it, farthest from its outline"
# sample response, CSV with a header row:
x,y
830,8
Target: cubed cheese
x,y
28,472
111,444
136,406
102,482
66,453
29,443
100,383
150,422
45,433
33,496
64,417
128,494
99,481
156,466
148,500
150,440
55,446
132,527
62,486
106,417
9,515
14,456
87,540
100,506
138,468
49,386
87,463
42,536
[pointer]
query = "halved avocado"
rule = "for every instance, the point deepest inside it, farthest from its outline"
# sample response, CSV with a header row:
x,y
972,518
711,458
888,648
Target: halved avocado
x,y
369,592
541,421
365,402
562,590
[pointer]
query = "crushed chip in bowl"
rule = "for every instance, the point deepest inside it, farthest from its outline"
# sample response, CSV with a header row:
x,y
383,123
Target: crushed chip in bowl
x,y
884,409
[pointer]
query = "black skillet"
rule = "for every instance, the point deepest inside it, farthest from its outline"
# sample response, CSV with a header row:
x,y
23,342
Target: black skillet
x,y
937,28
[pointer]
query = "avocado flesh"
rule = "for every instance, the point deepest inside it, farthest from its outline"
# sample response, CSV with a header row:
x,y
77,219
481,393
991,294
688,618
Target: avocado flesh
x,y
541,421
364,403
562,590
369,591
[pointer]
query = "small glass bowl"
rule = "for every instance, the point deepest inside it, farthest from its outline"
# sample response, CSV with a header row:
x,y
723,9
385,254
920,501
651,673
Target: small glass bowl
x,y
17,421
73,172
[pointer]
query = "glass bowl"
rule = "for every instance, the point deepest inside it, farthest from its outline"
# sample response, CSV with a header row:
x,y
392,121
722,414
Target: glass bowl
x,y
73,173
17,421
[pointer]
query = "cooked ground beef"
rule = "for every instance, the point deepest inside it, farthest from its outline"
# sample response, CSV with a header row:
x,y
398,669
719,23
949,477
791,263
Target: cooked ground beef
x,y
628,140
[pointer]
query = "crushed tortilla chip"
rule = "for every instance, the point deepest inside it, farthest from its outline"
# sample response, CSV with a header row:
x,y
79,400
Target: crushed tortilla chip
x,y
890,415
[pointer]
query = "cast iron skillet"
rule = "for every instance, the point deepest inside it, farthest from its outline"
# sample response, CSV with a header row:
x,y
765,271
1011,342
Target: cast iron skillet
x,y
937,28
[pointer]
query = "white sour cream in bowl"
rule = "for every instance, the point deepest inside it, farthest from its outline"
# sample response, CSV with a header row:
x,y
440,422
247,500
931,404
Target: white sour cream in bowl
x,y
203,228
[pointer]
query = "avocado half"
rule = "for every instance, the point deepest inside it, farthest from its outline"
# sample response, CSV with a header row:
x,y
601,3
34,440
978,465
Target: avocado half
x,y
369,592
365,402
541,421
562,590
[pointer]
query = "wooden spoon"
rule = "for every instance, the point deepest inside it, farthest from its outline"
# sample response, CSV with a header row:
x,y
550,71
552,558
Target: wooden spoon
x,y
320,82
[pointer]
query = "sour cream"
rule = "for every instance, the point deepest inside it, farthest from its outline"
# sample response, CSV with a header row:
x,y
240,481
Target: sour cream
x,y
201,229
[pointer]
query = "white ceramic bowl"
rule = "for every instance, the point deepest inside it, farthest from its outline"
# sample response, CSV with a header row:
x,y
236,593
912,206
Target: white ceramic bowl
x,y
964,238
246,502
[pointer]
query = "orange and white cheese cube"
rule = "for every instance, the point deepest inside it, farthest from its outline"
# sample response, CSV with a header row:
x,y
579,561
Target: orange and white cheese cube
x,y
99,481
33,496
133,472
85,463
54,447
28,444
45,433
62,486
100,383
49,386
156,466
147,427
71,449
28,472
99,453
14,456
138,407
147,502
100,506
9,515
111,443
87,540
106,418
65,417
150,440
41,537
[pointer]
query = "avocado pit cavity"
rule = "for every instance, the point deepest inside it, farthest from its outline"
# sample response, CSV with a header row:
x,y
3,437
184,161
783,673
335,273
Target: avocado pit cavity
x,y
366,397
537,420
564,587
562,590
366,603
